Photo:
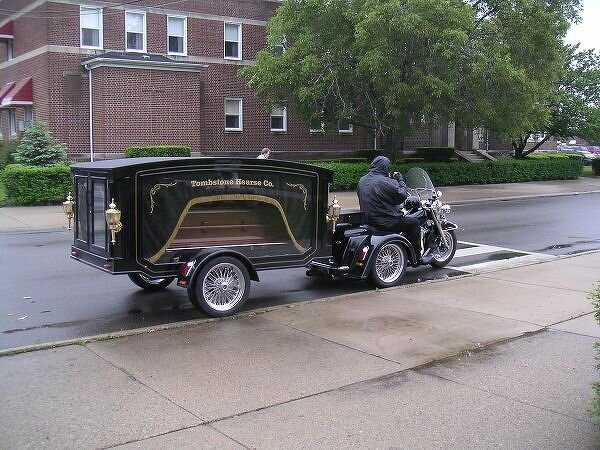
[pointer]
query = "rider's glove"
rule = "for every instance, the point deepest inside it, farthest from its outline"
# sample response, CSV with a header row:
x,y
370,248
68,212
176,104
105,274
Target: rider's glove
x,y
398,177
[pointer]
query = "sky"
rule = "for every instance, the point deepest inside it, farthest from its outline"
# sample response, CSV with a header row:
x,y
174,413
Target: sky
x,y
587,32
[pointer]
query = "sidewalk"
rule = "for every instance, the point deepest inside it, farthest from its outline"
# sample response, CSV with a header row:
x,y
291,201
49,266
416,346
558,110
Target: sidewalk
x,y
353,371
501,359
32,218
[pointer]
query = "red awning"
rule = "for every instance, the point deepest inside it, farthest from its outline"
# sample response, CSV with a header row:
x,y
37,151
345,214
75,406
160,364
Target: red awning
x,y
5,90
6,30
20,94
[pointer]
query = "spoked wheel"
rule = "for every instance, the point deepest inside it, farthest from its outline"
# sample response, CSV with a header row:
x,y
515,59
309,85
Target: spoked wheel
x,y
150,284
221,287
389,265
442,255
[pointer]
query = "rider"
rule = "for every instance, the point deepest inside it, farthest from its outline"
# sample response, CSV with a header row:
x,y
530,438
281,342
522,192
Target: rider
x,y
380,198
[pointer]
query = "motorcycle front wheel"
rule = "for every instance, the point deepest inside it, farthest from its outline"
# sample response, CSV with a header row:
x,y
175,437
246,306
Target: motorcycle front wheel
x,y
389,265
442,256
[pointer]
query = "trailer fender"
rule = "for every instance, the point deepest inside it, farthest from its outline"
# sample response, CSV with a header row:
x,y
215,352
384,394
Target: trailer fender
x,y
378,241
188,271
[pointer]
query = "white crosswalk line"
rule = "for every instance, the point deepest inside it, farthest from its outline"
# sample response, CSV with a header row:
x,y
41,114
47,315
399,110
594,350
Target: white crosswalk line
x,y
522,257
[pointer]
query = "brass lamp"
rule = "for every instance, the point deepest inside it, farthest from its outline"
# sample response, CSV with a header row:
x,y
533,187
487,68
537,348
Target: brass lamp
x,y
68,209
333,211
113,220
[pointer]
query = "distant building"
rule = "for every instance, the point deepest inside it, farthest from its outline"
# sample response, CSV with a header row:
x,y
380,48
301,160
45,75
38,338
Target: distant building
x,y
153,72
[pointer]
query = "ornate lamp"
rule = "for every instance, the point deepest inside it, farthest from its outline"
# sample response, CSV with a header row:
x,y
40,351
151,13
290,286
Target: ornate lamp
x,y
113,220
333,211
68,209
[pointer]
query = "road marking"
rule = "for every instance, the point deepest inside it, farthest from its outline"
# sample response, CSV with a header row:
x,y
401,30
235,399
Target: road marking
x,y
521,257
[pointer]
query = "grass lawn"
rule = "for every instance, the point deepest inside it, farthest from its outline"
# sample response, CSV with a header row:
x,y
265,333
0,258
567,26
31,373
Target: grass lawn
x,y
587,172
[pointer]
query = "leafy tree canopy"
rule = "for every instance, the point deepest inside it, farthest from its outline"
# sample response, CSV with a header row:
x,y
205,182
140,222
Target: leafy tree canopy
x,y
384,64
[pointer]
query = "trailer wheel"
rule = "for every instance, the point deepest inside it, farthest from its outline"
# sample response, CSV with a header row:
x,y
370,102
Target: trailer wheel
x,y
389,265
221,287
150,284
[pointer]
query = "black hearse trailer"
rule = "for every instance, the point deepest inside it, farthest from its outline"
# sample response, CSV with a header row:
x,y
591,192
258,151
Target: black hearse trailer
x,y
212,223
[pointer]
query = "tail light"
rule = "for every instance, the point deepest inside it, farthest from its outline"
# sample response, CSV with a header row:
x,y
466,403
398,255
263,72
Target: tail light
x,y
362,256
186,269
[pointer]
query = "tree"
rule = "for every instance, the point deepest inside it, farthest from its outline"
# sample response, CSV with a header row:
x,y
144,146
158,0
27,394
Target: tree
x,y
39,148
574,104
386,64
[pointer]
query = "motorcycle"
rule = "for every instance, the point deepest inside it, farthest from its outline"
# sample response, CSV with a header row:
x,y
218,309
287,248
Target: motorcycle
x,y
360,251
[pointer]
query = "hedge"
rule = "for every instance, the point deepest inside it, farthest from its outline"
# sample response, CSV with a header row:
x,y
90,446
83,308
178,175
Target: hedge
x,y
596,165
157,150
533,168
31,185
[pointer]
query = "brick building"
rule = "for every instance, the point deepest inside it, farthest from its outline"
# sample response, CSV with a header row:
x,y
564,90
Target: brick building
x,y
106,75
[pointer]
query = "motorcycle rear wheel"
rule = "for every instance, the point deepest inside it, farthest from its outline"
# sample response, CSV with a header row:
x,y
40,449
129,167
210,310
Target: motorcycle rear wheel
x,y
389,265
442,258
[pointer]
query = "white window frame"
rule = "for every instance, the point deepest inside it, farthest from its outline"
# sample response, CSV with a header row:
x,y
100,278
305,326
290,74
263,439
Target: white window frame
x,y
239,41
100,29
240,110
184,18
348,130
144,34
12,122
283,115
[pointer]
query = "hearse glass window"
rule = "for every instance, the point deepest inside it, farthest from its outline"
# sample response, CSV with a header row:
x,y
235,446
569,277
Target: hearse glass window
x,y
135,29
90,21
233,41
177,31
99,191
261,212
81,229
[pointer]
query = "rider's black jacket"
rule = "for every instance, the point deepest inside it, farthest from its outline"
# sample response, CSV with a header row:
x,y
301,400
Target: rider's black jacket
x,y
379,196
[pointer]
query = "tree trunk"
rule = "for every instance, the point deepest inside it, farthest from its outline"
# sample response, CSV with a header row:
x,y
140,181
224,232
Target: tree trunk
x,y
394,146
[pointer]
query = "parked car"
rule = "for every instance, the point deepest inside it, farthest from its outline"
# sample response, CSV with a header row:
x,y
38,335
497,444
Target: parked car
x,y
582,150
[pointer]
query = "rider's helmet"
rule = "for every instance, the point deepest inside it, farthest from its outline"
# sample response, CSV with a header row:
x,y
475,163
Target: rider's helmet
x,y
412,203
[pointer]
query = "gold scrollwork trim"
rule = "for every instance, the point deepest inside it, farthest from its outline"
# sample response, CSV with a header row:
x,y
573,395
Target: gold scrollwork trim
x,y
226,197
154,190
302,188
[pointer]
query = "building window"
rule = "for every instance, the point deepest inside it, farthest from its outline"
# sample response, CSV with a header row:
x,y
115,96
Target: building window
x,y
316,126
9,49
27,117
1,126
345,127
12,122
233,41
233,114
278,118
90,21
135,31
177,35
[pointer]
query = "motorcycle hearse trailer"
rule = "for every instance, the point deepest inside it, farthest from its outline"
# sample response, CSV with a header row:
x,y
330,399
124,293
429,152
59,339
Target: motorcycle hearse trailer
x,y
211,223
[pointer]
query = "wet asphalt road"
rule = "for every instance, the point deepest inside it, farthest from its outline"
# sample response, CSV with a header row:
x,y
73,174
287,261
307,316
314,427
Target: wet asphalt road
x,y
46,296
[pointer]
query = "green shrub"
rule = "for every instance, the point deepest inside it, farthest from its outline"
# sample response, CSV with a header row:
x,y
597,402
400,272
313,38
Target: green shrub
x,y
157,150
6,151
39,148
537,168
596,165
435,154
31,185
